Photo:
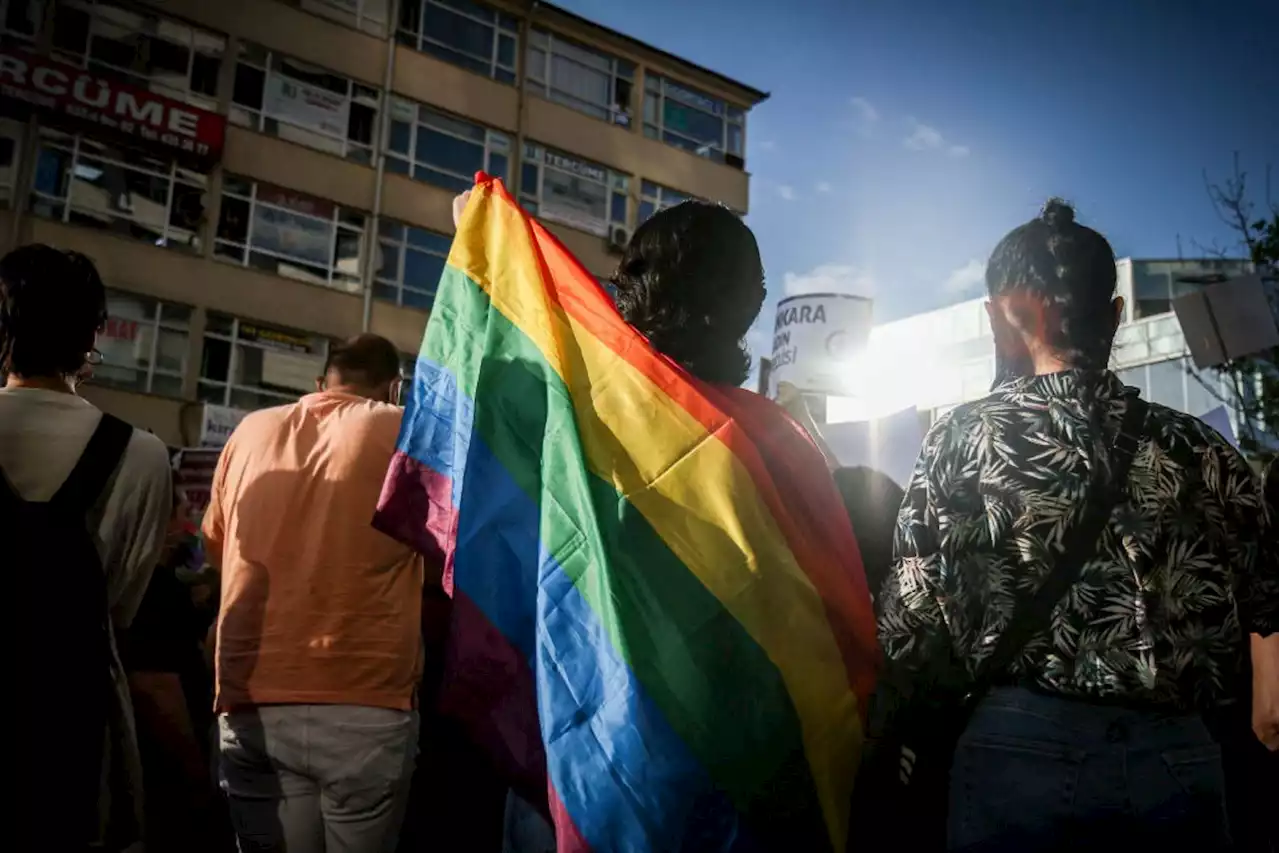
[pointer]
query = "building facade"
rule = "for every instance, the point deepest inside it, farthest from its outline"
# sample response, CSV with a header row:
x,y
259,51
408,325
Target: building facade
x,y
256,179
939,359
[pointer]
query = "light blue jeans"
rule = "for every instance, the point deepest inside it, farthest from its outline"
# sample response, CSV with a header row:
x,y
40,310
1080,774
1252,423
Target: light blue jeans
x,y
1039,773
317,778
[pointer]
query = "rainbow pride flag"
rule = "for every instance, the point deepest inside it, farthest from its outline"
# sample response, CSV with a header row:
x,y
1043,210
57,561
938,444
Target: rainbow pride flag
x,y
660,620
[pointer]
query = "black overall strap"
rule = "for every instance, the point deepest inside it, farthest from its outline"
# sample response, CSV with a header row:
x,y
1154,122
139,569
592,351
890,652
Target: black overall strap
x,y
101,456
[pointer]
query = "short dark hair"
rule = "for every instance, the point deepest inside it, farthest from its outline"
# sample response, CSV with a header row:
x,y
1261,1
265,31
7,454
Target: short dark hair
x,y
366,360
691,281
1070,270
52,302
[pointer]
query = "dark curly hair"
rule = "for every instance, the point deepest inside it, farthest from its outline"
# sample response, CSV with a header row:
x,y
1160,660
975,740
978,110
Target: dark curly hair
x,y
1068,274
691,281
51,304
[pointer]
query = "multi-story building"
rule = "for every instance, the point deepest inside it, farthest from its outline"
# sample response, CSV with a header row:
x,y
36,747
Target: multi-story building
x,y
936,360
257,178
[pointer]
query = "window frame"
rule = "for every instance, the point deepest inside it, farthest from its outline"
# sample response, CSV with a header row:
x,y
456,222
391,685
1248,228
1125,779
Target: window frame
x,y
56,140
500,24
360,20
652,193
14,132
731,115
620,70
334,221
157,324
616,184
496,143
402,245
266,62
29,38
234,342
83,58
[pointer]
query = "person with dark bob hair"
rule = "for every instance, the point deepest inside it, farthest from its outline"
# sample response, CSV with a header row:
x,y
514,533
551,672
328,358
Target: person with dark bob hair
x,y
1092,735
70,470
692,282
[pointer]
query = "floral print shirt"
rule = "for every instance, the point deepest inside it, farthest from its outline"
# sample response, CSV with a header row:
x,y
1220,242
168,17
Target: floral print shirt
x,y
1157,617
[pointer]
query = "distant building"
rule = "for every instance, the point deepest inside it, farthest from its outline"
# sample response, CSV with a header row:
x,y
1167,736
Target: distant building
x,y
258,178
939,359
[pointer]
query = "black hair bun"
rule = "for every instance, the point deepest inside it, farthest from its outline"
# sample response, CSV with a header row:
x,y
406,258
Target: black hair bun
x,y
1057,214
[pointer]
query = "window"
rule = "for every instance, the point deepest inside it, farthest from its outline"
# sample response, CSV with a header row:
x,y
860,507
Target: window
x,y
84,182
462,33
583,79
367,15
304,104
151,52
655,197
689,119
439,149
10,147
1150,292
251,365
411,261
20,21
573,192
290,234
144,345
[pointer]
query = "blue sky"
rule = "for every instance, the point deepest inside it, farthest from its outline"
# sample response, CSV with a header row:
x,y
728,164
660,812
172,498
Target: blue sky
x,y
903,138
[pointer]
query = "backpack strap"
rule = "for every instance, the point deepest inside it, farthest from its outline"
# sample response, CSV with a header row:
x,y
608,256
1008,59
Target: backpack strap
x,y
101,456
1079,546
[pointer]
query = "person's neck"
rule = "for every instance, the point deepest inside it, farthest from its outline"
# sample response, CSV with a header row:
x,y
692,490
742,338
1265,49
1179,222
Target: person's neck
x,y
355,391
41,383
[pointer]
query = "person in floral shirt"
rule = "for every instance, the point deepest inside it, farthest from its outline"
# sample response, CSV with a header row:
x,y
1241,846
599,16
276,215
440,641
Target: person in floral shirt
x,y
1094,736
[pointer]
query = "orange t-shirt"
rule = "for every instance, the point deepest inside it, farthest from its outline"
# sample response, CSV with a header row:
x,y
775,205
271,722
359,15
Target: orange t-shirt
x,y
318,607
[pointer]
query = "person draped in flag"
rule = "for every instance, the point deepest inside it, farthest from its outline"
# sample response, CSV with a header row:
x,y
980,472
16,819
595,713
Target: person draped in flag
x,y
656,554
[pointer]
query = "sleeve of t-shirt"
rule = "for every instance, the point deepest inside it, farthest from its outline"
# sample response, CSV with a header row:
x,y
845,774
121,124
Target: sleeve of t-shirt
x,y
213,525
135,523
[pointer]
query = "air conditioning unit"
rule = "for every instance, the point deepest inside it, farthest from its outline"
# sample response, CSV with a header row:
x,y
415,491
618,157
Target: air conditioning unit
x,y
619,237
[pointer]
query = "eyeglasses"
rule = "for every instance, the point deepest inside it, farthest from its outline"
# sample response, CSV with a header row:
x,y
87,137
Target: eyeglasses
x,y
93,357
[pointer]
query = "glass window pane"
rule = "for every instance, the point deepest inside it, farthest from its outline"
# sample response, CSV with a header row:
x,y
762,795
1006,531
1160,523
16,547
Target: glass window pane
x,y
171,351
418,299
574,201
429,240
458,32
215,360
498,166
399,137
529,178
389,262
448,152
422,271
1164,386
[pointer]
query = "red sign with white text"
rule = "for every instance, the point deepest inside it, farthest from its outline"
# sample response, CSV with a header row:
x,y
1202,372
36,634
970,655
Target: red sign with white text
x,y
161,122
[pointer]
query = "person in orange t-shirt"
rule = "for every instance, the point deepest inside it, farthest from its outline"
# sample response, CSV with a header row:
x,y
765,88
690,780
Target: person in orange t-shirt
x,y
318,638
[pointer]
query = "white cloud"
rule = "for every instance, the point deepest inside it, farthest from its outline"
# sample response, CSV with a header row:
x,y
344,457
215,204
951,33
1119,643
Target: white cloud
x,y
922,137
966,278
925,137
830,278
822,187
787,192
865,110
768,145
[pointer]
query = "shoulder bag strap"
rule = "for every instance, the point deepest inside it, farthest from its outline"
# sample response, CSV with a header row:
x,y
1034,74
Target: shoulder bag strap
x,y
1032,615
101,456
